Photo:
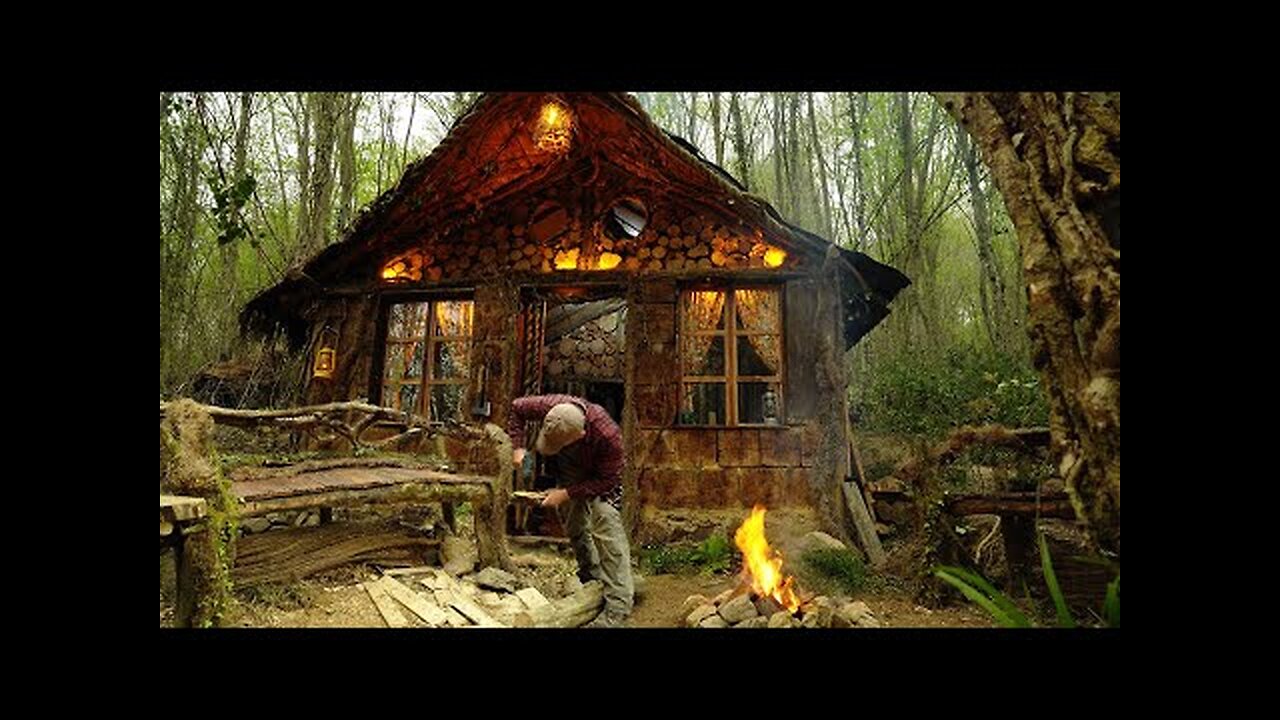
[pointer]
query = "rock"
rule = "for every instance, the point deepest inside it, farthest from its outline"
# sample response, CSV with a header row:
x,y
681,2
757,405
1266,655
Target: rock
x,y
572,585
489,598
691,603
851,613
758,621
817,540
713,621
738,609
818,616
868,620
301,518
313,520
722,597
256,524
780,619
460,557
496,579
638,584
700,613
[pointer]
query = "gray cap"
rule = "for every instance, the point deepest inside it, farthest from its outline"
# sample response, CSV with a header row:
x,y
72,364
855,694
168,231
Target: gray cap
x,y
563,424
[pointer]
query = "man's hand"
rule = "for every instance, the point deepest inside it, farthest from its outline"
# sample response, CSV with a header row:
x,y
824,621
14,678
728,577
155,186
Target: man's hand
x,y
517,456
555,497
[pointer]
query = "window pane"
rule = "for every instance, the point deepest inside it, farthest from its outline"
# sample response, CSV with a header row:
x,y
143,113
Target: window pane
x,y
413,360
703,355
704,310
758,355
446,402
757,310
407,320
409,398
453,317
449,360
758,403
703,404
394,369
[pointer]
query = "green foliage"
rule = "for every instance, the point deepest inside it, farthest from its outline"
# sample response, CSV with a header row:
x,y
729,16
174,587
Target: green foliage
x,y
983,593
1111,605
1051,580
714,555
841,566
915,393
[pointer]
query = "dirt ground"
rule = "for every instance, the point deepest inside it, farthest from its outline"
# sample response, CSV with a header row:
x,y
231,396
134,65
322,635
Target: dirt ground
x,y
335,599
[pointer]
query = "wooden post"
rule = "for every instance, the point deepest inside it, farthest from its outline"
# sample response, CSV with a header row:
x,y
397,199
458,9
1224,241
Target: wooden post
x,y
862,522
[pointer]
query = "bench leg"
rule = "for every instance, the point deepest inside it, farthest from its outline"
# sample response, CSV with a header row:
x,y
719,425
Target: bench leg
x,y
186,605
446,508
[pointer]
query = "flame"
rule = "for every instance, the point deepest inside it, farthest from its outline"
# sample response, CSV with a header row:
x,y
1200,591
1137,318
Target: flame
x,y
608,261
762,565
773,257
567,259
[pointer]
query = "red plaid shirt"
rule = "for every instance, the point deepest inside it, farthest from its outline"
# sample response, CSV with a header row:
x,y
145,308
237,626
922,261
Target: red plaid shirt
x,y
602,446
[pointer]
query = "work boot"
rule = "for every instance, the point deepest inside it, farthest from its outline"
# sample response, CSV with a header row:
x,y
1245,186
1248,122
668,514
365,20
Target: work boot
x,y
608,619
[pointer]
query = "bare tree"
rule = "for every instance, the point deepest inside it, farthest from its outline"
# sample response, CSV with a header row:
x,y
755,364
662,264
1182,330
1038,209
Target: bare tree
x,y
740,147
717,134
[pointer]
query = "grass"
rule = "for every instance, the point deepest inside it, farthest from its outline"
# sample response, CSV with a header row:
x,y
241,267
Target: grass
x,y
835,570
712,556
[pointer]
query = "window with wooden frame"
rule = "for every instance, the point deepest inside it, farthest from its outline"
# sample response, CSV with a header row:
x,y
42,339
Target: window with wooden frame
x,y
426,365
731,363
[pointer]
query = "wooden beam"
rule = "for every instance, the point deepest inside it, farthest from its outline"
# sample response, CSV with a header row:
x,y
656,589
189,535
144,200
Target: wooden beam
x,y
1056,505
386,607
863,523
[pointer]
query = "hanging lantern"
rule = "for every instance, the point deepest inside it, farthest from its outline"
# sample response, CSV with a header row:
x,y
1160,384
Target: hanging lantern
x,y
327,355
552,128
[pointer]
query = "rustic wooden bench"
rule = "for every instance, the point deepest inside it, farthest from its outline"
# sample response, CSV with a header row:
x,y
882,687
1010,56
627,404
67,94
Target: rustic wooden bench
x,y
287,489
179,517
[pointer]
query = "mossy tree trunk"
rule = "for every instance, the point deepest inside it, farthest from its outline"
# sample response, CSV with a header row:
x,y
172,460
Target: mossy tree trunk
x,y
1056,159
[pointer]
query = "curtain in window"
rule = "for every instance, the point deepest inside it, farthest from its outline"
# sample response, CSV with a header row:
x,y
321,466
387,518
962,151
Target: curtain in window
x,y
758,311
703,310
454,317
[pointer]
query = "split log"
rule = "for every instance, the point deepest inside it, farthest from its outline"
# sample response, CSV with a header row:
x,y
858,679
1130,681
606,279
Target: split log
x,y
573,611
386,606
419,605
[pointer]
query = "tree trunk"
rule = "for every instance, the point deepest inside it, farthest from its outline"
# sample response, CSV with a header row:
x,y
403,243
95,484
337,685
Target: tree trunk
x,y
302,135
822,170
717,135
692,119
858,107
779,188
320,191
991,284
742,160
347,160
1056,159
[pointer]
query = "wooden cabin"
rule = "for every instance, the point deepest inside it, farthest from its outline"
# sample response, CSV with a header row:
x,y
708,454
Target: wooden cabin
x,y
562,242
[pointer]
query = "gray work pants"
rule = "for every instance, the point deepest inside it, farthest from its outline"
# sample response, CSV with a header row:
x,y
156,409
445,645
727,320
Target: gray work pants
x,y
600,544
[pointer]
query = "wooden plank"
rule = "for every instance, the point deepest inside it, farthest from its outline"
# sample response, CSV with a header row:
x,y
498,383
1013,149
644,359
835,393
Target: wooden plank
x,y
531,598
418,570
537,540
386,607
181,507
417,604
456,598
452,617
862,522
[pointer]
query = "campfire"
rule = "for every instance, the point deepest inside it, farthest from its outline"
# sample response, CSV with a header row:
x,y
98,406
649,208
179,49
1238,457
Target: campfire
x,y
766,597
